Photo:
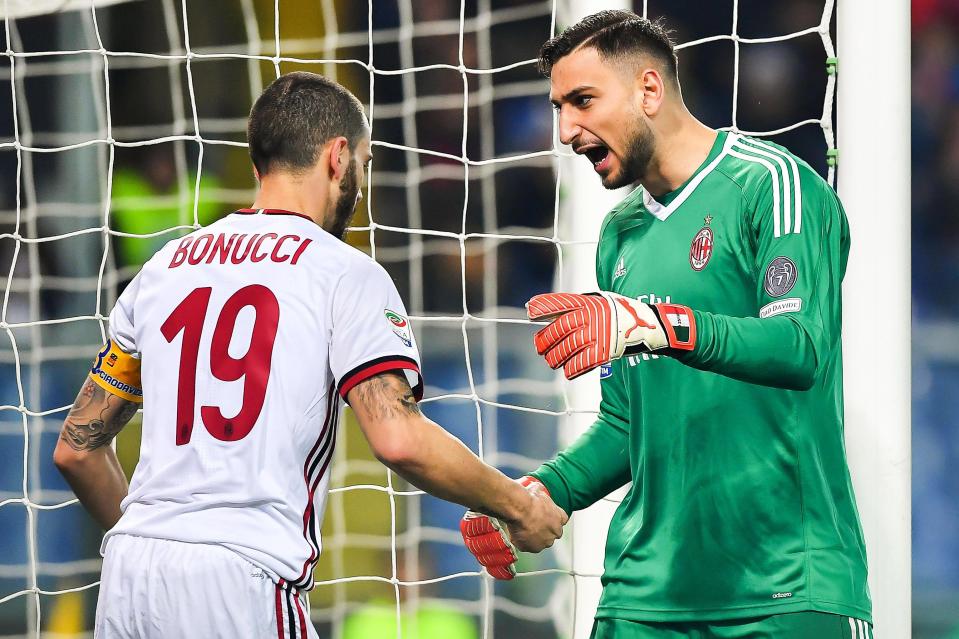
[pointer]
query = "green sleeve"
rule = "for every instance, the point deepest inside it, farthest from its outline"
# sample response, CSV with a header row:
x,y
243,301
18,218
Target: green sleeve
x,y
799,266
597,463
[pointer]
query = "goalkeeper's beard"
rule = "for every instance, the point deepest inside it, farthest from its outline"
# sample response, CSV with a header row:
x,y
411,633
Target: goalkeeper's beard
x,y
639,152
346,204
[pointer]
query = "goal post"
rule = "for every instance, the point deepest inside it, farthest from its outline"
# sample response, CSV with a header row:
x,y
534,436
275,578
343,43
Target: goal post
x,y
874,185
583,204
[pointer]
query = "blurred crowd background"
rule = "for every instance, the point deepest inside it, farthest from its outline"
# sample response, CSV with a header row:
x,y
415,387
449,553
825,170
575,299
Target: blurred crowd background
x,y
179,162
935,304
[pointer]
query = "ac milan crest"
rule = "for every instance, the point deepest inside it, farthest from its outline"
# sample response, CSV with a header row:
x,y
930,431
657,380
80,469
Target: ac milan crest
x,y
701,249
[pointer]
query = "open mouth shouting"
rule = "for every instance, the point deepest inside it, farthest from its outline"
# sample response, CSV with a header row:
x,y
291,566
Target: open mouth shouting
x,y
598,154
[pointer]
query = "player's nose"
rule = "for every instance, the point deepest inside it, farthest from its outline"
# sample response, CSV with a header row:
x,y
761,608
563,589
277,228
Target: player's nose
x,y
569,129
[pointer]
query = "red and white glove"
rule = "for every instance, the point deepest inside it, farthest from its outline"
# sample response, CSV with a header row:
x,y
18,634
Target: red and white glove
x,y
487,538
591,329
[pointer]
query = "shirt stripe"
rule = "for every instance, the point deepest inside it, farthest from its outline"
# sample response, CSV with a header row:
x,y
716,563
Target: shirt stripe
x,y
775,185
381,365
299,612
290,619
794,168
782,174
279,612
322,449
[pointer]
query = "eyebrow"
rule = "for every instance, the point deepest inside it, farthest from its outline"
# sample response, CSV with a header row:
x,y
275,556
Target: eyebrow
x,y
571,94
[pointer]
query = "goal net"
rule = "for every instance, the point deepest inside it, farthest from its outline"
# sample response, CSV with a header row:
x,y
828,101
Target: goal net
x,y
122,126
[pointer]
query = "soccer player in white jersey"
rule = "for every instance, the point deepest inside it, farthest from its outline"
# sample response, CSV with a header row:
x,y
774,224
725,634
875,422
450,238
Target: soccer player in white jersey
x,y
238,339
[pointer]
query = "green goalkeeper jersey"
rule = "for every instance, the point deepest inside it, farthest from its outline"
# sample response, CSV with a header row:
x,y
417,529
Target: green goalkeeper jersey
x,y
740,502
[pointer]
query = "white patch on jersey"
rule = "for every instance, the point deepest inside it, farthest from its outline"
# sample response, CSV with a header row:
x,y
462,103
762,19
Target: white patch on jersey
x,y
788,305
400,326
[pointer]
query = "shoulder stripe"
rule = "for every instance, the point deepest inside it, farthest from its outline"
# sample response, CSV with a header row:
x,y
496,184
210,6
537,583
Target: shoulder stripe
x,y
782,172
775,185
797,184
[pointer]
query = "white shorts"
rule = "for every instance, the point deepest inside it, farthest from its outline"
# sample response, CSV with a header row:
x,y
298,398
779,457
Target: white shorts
x,y
161,589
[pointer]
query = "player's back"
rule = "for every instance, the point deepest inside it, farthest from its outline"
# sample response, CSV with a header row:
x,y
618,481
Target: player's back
x,y
234,327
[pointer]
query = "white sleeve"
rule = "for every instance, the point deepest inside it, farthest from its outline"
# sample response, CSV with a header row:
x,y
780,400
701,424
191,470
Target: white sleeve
x,y
371,332
121,329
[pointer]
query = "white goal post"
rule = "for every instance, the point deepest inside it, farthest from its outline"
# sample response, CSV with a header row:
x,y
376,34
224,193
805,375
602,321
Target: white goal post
x,y
874,185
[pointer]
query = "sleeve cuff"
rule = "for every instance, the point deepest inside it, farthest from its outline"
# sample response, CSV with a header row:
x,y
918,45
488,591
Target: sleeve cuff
x,y
381,365
554,483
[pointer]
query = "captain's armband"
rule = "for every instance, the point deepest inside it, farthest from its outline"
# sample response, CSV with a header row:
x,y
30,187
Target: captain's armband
x,y
117,372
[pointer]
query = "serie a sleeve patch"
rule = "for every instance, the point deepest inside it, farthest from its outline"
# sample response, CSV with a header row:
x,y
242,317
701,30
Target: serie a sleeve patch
x,y
118,372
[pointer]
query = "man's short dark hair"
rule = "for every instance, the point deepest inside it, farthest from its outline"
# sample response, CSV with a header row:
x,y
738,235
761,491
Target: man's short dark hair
x,y
295,116
613,33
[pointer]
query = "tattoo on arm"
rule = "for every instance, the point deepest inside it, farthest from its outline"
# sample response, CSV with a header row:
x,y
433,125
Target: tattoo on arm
x,y
387,395
96,417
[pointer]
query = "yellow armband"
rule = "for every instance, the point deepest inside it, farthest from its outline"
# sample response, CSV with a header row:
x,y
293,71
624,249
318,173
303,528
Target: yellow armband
x,y
117,372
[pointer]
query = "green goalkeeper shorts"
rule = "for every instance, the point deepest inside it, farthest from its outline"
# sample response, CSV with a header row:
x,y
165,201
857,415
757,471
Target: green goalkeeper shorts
x,y
795,625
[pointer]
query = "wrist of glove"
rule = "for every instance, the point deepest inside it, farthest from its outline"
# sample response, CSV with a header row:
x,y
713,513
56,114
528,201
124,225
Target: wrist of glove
x,y
488,539
591,329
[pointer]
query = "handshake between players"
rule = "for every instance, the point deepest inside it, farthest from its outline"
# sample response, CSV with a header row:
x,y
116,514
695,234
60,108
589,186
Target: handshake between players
x,y
584,331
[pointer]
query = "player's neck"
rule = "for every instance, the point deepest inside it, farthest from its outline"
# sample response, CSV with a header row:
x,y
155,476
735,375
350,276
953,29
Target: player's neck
x,y
681,148
288,193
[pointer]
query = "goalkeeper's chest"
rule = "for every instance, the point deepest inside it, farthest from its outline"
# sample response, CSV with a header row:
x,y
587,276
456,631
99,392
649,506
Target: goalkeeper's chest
x,y
697,257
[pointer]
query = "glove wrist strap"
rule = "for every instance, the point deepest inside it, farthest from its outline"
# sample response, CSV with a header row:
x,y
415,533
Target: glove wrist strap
x,y
679,324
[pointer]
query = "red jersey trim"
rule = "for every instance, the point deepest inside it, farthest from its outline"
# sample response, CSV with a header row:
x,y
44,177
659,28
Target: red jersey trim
x,y
279,613
299,611
274,212
381,365
322,450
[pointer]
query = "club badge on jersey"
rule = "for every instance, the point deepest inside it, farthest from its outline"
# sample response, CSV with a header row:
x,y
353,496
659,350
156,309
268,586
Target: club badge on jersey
x,y
117,372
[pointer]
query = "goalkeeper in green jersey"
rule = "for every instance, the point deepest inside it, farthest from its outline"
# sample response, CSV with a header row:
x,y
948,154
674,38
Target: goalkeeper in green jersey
x,y
717,337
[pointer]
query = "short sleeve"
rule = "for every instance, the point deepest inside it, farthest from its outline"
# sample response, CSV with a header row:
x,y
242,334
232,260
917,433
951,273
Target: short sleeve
x,y
371,333
121,329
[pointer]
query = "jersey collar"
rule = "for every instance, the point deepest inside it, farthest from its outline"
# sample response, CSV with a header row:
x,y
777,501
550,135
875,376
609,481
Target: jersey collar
x,y
274,212
675,199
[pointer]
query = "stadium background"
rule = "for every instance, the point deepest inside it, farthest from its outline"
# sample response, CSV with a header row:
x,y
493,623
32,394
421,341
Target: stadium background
x,y
153,188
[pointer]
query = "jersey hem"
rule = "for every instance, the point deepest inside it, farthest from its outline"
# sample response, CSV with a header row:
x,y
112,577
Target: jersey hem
x,y
271,574
723,614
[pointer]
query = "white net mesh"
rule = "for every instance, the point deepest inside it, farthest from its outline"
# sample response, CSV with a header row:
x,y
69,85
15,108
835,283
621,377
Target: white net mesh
x,y
124,127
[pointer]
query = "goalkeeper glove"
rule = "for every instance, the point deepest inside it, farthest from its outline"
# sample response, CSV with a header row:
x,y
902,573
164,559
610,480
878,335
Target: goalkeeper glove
x,y
588,330
488,539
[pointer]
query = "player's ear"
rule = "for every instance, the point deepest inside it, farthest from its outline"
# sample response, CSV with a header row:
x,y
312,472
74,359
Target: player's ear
x,y
651,91
256,174
339,157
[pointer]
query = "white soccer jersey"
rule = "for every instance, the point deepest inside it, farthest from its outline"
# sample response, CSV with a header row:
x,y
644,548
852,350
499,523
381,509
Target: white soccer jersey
x,y
247,330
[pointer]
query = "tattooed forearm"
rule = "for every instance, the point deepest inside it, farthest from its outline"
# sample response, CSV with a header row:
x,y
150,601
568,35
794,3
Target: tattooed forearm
x,y
96,418
388,395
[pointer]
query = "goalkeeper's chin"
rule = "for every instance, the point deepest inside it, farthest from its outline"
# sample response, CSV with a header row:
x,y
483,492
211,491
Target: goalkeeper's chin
x,y
615,178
